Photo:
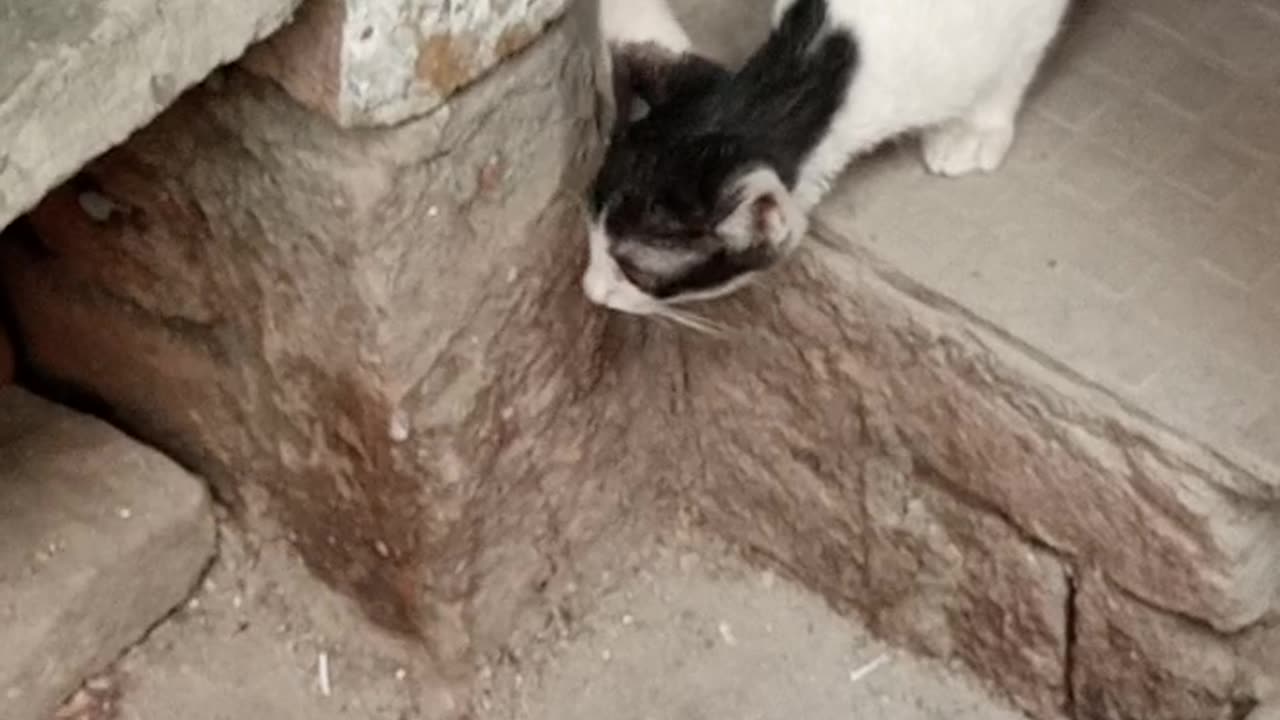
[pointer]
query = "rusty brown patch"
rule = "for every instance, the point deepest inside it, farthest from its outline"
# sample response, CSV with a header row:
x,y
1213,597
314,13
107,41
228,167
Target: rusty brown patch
x,y
443,63
489,178
514,39
353,517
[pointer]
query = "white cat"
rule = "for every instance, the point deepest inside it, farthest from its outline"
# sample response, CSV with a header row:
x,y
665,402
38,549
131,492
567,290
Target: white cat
x,y
711,173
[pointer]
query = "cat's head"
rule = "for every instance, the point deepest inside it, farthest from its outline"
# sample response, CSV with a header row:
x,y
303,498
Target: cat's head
x,y
683,208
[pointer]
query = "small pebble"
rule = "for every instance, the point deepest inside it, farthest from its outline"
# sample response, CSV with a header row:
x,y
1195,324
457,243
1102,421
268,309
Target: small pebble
x,y
99,683
726,634
606,656
401,674
78,705
399,430
96,205
125,513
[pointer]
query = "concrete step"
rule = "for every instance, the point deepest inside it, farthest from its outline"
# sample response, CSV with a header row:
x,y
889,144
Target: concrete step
x,y
77,78
100,537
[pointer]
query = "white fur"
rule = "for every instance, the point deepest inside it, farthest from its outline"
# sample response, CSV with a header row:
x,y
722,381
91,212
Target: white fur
x,y
625,22
603,282
956,69
785,225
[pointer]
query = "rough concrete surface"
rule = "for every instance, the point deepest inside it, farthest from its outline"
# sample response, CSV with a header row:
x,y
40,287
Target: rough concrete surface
x,y
99,538
78,78
381,62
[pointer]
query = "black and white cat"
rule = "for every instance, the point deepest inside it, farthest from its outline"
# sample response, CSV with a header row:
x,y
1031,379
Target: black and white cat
x,y
710,174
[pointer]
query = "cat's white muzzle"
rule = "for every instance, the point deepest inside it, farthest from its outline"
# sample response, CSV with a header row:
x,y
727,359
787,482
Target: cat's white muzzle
x,y
604,283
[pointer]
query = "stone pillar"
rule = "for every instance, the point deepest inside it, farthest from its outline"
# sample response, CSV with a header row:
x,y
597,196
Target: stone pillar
x,y
370,341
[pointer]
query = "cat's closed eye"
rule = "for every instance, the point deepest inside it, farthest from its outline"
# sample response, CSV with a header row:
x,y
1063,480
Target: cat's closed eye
x,y
642,279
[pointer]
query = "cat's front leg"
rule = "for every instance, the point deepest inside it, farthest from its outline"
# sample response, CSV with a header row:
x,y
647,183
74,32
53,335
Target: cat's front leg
x,y
980,139
960,147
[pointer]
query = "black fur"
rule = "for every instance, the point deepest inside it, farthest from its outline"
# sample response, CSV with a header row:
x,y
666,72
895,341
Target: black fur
x,y
664,176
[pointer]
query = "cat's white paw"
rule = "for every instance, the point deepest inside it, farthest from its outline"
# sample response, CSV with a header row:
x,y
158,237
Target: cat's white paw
x,y
960,148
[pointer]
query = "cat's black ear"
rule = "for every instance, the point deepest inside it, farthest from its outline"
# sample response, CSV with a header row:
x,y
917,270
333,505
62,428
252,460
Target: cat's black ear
x,y
646,76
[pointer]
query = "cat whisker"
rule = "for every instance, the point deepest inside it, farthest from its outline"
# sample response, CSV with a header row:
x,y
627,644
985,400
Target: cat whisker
x,y
692,321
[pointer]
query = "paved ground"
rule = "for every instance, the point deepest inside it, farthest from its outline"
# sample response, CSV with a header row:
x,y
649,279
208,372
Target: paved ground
x,y
677,635
254,643
699,636
1135,234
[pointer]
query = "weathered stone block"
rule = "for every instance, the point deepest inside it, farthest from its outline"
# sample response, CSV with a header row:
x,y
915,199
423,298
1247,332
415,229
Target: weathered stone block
x,y
958,582
794,450
1135,663
99,538
875,444
1178,527
380,62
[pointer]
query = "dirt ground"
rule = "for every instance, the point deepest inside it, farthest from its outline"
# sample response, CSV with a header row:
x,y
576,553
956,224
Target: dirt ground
x,y
677,633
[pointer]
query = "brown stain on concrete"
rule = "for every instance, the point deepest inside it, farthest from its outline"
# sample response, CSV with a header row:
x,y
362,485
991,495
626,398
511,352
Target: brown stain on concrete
x,y
444,63
514,39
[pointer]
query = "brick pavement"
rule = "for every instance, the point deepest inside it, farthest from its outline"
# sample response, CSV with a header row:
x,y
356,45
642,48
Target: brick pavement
x,y
1134,235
